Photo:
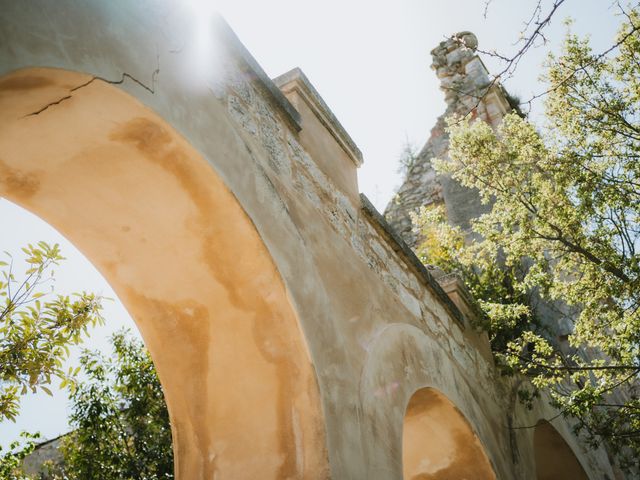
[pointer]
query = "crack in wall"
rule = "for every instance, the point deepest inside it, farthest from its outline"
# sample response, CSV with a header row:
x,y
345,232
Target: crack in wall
x,y
125,75
57,102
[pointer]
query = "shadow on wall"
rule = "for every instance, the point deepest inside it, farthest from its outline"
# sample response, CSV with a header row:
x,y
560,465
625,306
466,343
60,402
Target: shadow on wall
x,y
438,442
554,458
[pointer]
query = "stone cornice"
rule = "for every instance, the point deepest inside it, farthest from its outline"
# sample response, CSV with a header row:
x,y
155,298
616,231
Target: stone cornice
x,y
296,80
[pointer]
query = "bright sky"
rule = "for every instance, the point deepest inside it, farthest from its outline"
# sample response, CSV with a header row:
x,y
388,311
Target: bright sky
x,y
369,60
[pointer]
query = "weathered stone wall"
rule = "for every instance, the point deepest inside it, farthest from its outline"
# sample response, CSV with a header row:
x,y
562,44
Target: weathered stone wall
x,y
374,326
46,454
460,355
468,90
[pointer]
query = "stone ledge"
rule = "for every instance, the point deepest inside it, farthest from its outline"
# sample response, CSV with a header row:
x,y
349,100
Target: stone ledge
x,y
401,248
223,29
454,287
296,80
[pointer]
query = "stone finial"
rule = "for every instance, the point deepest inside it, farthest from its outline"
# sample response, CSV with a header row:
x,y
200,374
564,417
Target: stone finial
x,y
452,54
467,39
459,68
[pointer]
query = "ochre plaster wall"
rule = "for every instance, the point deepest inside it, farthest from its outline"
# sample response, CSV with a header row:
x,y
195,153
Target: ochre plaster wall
x,y
185,260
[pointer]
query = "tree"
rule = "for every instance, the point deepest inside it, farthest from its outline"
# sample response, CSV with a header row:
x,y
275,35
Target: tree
x,y
120,419
11,460
565,227
407,157
533,35
36,332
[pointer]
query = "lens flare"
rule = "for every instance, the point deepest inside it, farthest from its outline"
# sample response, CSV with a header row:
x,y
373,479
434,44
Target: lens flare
x,y
201,54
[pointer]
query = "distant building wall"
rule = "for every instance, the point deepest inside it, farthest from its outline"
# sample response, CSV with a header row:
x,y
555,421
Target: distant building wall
x,y
44,453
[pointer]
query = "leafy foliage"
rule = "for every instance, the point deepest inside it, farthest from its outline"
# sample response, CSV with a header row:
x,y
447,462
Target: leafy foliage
x,y
564,227
36,330
494,285
121,423
11,460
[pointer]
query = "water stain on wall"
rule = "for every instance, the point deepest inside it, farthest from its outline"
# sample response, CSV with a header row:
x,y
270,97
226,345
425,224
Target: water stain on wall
x,y
21,83
17,183
117,156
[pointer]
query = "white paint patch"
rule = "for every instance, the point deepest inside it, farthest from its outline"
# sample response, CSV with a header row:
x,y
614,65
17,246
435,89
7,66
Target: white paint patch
x,y
297,438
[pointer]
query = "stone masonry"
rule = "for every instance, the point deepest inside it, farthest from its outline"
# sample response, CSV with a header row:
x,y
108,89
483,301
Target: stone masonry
x,y
468,90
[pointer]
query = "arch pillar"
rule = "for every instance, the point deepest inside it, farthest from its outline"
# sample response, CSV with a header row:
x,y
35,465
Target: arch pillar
x,y
401,361
185,259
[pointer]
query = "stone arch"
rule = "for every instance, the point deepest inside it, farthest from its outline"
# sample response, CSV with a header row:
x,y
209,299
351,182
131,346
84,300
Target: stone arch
x,y
402,360
554,459
186,260
438,443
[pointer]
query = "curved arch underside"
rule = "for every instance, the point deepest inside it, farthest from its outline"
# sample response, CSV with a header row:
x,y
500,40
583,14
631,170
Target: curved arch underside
x,y
554,458
438,442
185,260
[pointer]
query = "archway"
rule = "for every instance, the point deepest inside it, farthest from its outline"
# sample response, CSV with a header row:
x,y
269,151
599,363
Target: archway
x,y
438,442
554,458
158,222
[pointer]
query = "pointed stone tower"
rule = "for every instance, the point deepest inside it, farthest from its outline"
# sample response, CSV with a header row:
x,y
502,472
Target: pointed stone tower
x,y
468,89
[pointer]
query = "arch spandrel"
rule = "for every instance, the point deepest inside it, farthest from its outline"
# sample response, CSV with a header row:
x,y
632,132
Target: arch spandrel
x,y
153,216
401,361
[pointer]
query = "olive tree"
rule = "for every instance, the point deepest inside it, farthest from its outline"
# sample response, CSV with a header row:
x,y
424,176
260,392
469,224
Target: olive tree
x,y
37,327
